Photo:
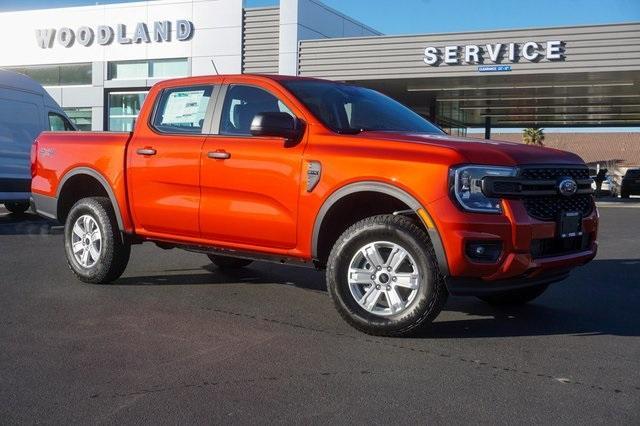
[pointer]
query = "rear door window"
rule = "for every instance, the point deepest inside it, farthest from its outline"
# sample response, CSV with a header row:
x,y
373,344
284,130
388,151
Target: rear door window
x,y
182,109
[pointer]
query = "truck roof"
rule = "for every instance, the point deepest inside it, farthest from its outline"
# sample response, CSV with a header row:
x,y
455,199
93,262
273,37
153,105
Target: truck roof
x,y
272,77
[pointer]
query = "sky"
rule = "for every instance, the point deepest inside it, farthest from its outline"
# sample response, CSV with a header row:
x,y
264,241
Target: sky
x,y
433,16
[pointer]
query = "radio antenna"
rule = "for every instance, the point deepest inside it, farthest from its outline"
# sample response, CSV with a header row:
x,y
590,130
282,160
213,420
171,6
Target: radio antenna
x,y
214,66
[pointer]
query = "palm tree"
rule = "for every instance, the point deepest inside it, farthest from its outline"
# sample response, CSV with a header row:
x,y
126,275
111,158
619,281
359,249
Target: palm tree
x,y
533,136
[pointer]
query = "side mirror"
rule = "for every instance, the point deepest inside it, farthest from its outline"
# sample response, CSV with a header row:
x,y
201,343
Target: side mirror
x,y
276,124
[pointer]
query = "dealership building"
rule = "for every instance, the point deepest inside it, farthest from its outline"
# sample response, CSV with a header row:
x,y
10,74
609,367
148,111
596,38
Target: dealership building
x,y
98,62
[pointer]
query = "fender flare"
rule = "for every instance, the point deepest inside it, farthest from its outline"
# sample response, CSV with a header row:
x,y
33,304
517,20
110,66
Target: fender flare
x,y
387,189
102,180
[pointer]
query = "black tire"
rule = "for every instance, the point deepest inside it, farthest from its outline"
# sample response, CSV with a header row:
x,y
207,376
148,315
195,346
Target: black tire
x,y
431,294
114,253
515,297
624,195
17,207
227,262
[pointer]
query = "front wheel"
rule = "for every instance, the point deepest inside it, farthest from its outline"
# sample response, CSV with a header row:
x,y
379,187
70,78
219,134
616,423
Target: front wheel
x,y
17,207
515,297
383,276
96,252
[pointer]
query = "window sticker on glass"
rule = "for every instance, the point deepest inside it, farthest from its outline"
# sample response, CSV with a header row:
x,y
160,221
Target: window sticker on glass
x,y
185,108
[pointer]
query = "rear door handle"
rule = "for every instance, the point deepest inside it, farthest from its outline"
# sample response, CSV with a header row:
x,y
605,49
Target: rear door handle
x,y
146,151
219,155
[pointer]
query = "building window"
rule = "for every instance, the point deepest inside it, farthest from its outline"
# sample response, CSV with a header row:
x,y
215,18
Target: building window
x,y
128,70
451,118
124,107
57,75
169,68
157,68
81,117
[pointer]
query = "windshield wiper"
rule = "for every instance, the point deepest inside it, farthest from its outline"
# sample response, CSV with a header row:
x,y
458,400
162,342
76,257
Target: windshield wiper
x,y
354,131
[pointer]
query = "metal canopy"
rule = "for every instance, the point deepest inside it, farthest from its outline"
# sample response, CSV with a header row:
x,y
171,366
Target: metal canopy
x,y
563,76
579,99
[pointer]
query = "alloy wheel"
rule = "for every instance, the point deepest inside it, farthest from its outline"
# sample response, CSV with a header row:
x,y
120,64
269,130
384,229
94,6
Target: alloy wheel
x,y
383,278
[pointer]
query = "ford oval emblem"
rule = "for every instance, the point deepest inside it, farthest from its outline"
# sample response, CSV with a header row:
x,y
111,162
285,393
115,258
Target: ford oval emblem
x,y
567,187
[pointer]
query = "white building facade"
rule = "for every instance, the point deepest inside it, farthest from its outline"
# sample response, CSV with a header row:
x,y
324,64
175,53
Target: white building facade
x,y
98,62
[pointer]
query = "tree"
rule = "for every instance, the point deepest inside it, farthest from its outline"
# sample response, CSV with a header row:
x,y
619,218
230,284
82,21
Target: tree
x,y
533,136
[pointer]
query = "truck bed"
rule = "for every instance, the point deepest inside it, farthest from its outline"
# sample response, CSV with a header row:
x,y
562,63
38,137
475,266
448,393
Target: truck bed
x,y
60,155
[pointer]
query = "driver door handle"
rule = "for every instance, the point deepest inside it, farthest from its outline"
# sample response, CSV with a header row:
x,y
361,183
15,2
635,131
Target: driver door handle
x,y
218,155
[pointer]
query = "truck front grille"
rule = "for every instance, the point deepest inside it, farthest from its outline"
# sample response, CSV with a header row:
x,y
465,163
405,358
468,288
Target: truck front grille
x,y
539,189
549,208
554,173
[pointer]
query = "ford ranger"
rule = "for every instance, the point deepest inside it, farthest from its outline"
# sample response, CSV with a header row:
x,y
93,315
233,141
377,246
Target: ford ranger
x,y
324,174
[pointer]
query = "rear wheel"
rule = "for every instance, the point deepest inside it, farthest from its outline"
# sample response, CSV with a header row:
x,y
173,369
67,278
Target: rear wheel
x,y
383,276
227,262
95,250
624,194
17,207
515,297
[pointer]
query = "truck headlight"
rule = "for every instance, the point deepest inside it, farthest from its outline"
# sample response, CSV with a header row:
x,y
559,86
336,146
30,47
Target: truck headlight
x,y
466,187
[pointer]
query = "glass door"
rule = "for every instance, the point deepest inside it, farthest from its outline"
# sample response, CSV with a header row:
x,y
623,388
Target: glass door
x,y
123,108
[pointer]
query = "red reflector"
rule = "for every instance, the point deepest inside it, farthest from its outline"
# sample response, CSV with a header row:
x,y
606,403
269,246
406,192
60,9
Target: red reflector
x,y
34,158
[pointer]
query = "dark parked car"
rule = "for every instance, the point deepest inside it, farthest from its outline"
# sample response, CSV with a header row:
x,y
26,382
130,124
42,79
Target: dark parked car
x,y
630,183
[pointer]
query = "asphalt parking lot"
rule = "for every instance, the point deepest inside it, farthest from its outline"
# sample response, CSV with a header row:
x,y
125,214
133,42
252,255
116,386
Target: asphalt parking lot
x,y
177,341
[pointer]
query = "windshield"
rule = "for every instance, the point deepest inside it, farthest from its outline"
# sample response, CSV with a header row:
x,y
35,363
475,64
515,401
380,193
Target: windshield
x,y
352,109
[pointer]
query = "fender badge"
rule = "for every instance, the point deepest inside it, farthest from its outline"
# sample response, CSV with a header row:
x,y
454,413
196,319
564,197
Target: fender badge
x,y
314,170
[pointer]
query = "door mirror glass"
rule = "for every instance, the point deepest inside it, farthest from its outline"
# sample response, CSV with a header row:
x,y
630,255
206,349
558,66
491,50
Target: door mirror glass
x,y
275,124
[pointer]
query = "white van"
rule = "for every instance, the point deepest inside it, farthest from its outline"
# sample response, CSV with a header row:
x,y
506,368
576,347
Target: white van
x,y
26,109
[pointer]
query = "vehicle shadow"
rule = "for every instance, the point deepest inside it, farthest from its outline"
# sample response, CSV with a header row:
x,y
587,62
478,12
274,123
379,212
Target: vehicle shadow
x,y
600,298
258,273
25,224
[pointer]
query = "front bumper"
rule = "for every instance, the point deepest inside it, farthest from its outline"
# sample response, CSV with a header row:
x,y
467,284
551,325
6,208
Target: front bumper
x,y
479,287
519,264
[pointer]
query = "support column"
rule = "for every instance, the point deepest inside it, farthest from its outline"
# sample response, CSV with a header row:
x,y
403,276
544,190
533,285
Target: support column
x,y
487,127
433,109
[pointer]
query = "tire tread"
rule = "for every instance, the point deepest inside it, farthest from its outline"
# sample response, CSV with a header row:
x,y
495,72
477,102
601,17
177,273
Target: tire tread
x,y
437,301
115,255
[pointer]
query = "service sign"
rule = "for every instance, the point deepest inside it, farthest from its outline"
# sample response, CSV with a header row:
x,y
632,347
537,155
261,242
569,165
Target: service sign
x,y
497,53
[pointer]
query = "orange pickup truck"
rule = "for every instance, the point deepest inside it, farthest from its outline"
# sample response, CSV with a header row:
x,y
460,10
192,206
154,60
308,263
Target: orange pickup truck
x,y
324,174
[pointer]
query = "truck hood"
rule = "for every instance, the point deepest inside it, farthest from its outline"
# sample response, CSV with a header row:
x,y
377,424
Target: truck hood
x,y
484,151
